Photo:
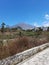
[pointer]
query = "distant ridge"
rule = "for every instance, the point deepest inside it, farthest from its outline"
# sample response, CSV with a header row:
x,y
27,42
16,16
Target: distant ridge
x,y
23,26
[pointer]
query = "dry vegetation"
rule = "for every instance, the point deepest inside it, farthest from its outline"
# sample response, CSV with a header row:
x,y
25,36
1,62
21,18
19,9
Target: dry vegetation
x,y
19,44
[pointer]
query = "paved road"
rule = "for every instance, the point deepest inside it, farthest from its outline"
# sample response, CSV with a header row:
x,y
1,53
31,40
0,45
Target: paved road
x,y
41,58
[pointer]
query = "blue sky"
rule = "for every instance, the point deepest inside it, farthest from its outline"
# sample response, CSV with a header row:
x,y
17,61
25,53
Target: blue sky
x,y
34,12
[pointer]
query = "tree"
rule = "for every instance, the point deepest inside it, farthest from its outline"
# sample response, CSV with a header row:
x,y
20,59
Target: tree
x,y
48,29
20,34
2,27
19,28
39,31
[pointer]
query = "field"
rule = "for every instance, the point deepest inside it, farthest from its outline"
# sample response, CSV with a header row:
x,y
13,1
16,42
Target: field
x,y
20,40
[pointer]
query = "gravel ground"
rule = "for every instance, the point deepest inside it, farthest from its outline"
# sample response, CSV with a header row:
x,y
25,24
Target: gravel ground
x,y
41,58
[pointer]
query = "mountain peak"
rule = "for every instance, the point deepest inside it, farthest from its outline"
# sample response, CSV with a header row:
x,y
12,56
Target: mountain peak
x,y
24,26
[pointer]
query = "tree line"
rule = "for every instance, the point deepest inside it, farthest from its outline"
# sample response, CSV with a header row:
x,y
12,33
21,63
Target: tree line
x,y
4,28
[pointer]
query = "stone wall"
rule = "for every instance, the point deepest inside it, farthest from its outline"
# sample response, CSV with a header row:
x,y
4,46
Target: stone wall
x,y
14,60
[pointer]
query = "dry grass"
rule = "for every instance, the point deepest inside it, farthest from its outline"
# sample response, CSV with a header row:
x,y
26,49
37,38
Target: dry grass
x,y
18,45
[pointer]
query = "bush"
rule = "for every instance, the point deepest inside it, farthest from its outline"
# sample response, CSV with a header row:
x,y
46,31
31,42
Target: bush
x,y
22,43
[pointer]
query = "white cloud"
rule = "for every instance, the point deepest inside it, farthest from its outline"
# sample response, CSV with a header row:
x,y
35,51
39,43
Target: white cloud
x,y
47,16
45,23
36,24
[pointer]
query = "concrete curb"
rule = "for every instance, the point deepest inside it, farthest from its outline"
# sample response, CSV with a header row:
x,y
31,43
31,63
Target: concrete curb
x,y
15,59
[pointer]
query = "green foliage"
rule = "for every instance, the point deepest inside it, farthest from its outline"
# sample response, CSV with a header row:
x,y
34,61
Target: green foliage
x,y
20,34
13,29
3,27
48,29
38,32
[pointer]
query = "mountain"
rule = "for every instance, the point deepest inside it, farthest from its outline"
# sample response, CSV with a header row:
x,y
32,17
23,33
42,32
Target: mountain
x,y
23,26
